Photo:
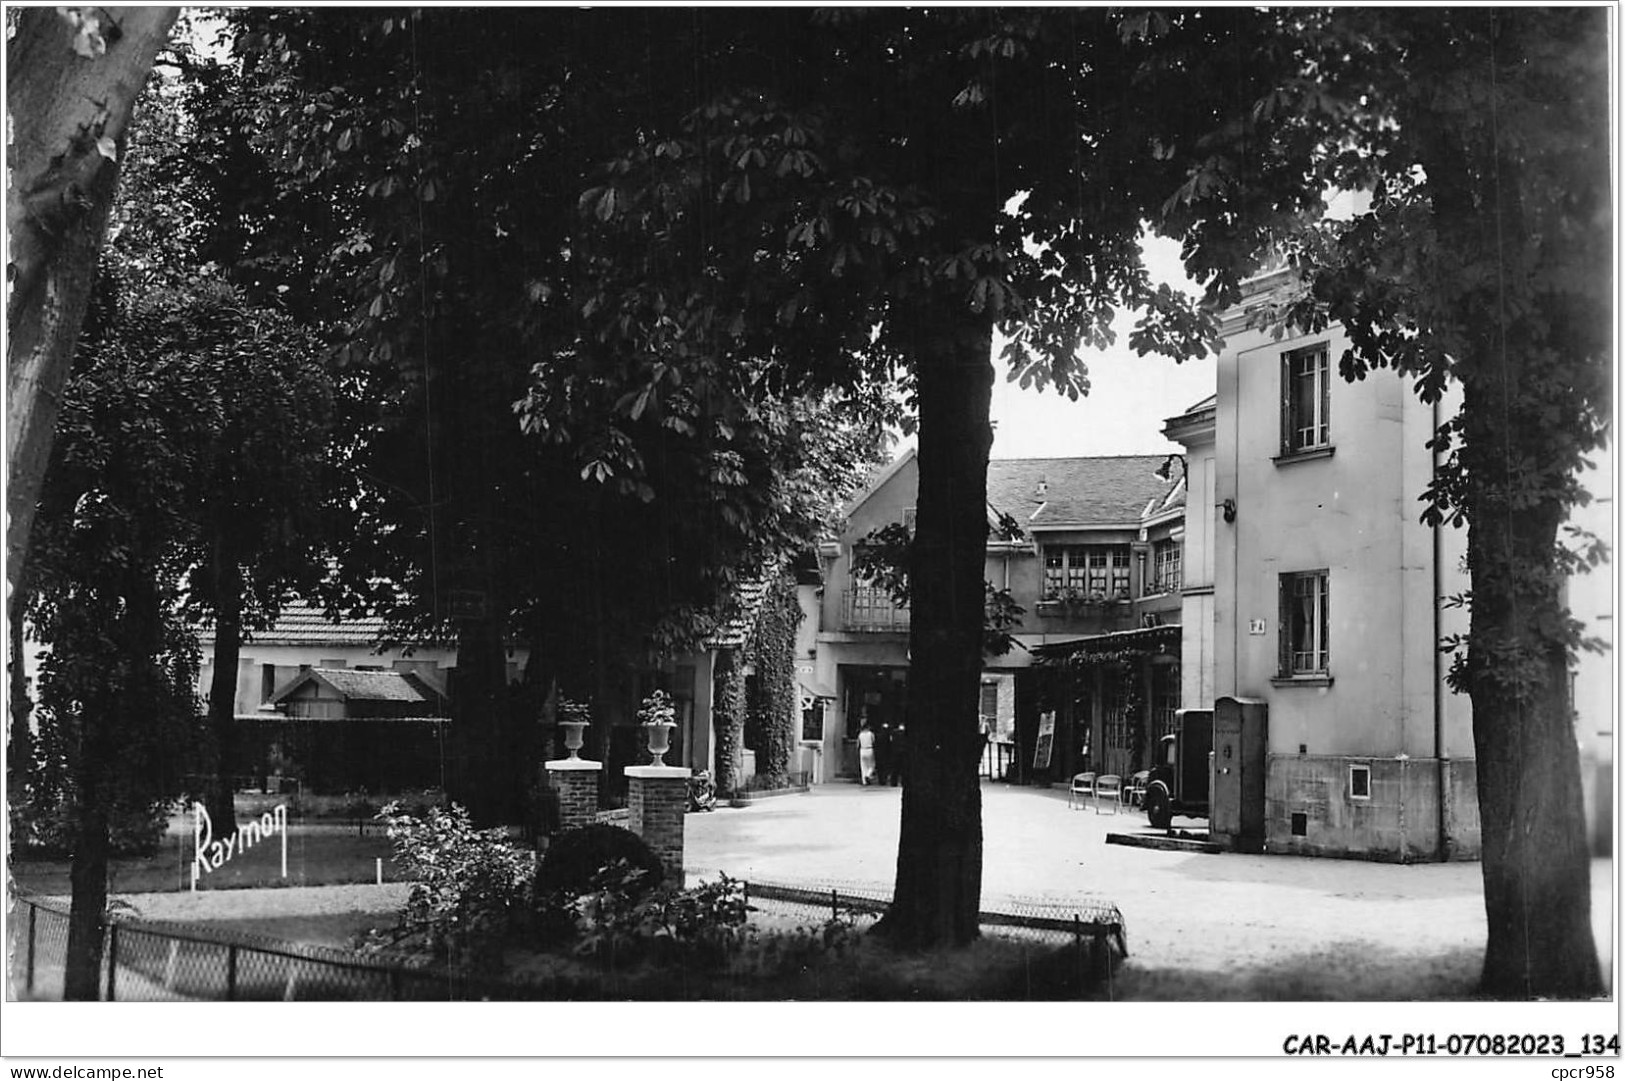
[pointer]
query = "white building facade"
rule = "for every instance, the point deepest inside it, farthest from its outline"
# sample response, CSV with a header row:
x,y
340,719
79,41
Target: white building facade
x,y
1329,598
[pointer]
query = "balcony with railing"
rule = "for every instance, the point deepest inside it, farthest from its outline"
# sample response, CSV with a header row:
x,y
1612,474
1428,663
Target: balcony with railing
x,y
871,609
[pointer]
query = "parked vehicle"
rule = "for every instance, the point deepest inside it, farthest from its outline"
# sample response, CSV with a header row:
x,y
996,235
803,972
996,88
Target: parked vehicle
x,y
702,791
1180,782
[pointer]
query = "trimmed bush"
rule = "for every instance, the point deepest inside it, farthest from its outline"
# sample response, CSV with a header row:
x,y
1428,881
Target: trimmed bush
x,y
703,926
577,855
469,886
49,833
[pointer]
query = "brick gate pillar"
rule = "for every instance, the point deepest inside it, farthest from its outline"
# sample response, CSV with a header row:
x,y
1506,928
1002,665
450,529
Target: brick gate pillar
x,y
657,797
574,782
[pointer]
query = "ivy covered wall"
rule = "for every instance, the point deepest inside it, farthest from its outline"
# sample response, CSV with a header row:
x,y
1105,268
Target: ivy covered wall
x,y
770,725
728,717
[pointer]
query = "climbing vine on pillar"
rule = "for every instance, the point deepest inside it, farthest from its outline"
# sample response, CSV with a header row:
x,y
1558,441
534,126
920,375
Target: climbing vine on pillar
x,y
770,728
728,696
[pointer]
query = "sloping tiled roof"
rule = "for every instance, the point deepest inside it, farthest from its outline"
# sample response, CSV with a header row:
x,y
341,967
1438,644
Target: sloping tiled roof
x,y
742,612
1058,492
355,685
1162,639
302,624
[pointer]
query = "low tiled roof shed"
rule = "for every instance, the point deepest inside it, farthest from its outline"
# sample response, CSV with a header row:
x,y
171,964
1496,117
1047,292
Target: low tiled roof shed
x,y
349,693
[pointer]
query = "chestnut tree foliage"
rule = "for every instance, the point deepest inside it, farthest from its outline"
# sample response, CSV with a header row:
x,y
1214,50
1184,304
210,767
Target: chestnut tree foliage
x,y
620,291
117,706
427,168
182,484
186,484
1483,262
853,195
866,191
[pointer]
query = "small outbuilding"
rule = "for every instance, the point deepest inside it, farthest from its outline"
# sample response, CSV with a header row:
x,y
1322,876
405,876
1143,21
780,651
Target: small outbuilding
x,y
348,730
358,694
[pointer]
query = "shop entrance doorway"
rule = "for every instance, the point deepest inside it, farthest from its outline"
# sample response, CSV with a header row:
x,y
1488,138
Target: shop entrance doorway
x,y
877,696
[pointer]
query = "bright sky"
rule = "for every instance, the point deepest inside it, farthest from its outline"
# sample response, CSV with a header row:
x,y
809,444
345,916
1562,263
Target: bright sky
x,y
1129,396
1129,399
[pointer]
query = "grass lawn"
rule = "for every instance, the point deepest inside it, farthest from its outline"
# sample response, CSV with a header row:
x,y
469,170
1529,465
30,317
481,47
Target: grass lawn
x,y
1342,973
317,856
342,929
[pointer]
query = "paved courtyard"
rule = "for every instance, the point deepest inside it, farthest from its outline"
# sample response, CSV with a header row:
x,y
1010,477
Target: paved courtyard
x,y
1197,911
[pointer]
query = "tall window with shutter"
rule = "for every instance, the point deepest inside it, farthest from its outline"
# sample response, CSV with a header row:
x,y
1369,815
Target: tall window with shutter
x,y
1305,400
1305,623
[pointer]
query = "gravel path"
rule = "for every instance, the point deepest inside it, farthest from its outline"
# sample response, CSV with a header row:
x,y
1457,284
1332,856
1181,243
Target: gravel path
x,y
1196,911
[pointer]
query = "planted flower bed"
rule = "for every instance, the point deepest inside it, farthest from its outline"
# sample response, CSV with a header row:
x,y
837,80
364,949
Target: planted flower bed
x,y
591,921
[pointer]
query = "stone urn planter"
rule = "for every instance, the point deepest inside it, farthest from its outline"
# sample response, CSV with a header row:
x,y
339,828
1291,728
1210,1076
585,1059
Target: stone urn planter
x,y
659,740
574,717
573,738
658,716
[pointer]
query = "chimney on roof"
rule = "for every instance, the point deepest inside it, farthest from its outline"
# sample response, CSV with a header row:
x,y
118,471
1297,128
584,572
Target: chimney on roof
x,y
1043,488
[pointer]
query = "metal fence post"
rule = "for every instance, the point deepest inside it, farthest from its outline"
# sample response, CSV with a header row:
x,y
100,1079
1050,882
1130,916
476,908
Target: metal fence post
x,y
231,973
33,921
112,963
834,905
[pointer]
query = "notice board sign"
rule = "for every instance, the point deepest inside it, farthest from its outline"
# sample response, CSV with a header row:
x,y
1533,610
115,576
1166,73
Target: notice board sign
x,y
1046,740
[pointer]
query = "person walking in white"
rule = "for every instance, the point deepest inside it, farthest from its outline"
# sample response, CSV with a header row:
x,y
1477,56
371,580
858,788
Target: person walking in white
x,y
866,753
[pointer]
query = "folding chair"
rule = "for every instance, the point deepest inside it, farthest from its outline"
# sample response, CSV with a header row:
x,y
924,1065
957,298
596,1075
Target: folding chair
x,y
1083,788
1109,787
1134,791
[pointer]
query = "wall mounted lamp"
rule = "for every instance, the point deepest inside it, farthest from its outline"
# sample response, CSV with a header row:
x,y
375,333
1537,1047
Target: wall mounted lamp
x,y
1165,471
1229,509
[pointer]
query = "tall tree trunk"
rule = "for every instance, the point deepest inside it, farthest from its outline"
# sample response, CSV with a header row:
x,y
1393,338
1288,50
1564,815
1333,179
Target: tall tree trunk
x,y
94,790
72,84
484,774
88,908
1537,871
228,649
1520,413
939,851
20,746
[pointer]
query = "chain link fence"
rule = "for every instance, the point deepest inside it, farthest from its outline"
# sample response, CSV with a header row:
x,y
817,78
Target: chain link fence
x,y
1088,933
153,961
1053,921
